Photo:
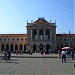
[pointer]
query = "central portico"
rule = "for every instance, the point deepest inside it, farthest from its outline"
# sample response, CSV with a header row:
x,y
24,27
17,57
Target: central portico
x,y
41,35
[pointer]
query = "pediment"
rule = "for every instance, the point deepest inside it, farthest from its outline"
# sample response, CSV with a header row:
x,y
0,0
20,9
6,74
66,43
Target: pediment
x,y
41,25
41,22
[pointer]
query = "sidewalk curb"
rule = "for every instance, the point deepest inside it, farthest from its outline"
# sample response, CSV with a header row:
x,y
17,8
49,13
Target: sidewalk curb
x,y
33,57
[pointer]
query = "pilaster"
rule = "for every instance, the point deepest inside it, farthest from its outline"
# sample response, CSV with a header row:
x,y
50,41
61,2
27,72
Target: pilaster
x,y
44,34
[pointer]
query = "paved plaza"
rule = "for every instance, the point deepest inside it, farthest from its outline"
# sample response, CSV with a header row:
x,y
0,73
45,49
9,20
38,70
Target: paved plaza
x,y
37,66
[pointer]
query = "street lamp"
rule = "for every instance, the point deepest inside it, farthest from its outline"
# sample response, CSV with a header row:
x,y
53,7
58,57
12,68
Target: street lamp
x,y
69,39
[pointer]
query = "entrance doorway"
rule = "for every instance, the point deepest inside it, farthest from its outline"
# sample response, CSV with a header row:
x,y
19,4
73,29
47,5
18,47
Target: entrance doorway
x,y
41,47
11,47
34,48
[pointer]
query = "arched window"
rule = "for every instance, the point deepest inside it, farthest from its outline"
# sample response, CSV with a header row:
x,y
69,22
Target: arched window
x,y
74,47
16,47
7,47
34,34
34,48
20,47
61,46
47,33
41,34
2,47
47,47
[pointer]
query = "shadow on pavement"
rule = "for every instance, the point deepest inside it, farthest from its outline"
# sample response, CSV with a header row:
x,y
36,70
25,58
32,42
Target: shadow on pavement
x,y
14,61
10,61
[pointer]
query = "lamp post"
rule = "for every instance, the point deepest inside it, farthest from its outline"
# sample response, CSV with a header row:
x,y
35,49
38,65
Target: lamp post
x,y
69,39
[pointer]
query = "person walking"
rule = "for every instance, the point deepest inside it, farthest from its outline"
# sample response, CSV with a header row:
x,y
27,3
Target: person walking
x,y
9,55
5,55
22,52
59,54
42,52
72,54
1,57
63,56
74,65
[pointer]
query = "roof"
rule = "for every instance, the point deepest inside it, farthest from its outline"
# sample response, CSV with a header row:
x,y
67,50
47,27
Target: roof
x,y
25,35
65,35
13,35
41,20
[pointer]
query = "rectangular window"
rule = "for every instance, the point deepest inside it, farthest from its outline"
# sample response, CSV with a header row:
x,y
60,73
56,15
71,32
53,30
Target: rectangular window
x,y
8,39
57,39
41,36
13,39
17,39
35,36
4,39
73,39
22,39
0,39
60,39
64,39
46,37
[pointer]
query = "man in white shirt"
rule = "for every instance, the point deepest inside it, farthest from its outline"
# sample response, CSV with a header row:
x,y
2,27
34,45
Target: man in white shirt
x,y
63,56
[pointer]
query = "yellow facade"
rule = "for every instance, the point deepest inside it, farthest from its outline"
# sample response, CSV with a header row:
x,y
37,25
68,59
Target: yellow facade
x,y
41,35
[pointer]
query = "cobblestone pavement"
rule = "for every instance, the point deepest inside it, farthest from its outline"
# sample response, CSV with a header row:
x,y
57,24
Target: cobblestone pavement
x,y
37,66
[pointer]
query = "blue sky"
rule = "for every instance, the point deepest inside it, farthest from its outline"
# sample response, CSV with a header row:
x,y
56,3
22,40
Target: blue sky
x,y
15,13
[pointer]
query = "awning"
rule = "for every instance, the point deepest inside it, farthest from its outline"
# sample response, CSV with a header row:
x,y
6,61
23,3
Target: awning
x,y
66,48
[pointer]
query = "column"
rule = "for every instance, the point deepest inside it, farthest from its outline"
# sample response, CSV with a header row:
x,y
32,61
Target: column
x,y
44,47
44,34
37,47
73,46
23,47
50,35
18,48
31,34
13,47
26,47
4,46
32,47
37,34
51,39
0,47
9,47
